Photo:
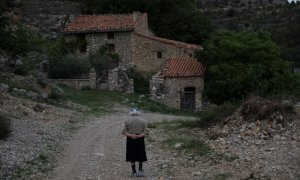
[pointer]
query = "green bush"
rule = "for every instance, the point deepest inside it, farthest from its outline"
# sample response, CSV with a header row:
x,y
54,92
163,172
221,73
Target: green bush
x,y
104,60
4,127
56,93
216,114
69,66
243,63
141,81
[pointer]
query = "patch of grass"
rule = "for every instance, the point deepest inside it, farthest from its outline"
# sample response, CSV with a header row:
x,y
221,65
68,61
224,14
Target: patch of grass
x,y
143,102
223,176
44,162
103,101
173,125
98,101
15,84
189,145
216,114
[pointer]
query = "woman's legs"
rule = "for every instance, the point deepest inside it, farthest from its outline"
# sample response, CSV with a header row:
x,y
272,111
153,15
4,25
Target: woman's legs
x,y
140,166
133,167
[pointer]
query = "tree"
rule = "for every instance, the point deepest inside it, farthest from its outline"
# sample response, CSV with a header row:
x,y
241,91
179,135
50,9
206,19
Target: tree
x,y
174,19
242,63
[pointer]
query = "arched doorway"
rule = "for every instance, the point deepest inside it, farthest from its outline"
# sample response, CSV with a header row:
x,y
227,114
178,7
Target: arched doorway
x,y
187,98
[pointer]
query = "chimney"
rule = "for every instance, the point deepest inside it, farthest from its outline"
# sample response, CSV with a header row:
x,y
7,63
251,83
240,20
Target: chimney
x,y
136,15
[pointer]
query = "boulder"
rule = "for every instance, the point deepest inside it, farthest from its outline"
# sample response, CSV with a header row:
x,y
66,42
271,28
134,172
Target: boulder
x,y
4,88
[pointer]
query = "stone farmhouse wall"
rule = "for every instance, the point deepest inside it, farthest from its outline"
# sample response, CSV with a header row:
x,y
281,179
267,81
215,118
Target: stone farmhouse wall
x,y
121,41
144,53
172,87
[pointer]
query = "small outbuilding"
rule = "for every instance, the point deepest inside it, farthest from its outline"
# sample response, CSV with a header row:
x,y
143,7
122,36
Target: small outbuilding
x,y
179,84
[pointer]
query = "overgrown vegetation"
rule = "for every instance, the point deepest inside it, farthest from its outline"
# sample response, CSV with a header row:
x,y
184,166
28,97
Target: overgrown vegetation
x,y
256,108
188,145
103,60
141,81
103,101
174,19
15,38
243,63
4,127
216,114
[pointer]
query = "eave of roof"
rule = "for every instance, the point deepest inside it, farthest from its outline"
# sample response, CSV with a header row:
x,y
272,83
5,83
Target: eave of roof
x,y
171,42
102,23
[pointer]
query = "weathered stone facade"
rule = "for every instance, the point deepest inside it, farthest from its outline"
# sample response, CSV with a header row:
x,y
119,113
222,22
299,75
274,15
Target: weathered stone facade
x,y
172,90
137,47
118,80
145,52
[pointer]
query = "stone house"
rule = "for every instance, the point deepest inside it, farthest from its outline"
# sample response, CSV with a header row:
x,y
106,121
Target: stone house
x,y
179,84
129,36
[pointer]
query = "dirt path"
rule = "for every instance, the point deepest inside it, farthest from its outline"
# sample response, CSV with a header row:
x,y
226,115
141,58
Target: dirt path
x,y
97,151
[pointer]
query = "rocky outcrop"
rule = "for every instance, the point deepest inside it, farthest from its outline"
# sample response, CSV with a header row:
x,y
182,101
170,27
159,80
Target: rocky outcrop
x,y
239,3
46,17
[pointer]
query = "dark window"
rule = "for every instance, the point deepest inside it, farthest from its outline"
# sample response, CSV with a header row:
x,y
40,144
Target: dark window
x,y
81,42
111,47
159,55
110,35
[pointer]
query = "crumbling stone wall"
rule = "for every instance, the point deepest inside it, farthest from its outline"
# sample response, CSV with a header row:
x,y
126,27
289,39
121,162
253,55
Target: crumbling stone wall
x,y
118,80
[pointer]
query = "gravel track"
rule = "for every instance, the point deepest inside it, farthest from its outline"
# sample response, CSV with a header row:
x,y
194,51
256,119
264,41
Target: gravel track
x,y
97,151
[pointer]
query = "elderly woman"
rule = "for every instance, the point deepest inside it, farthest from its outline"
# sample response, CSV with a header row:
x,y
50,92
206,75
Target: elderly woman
x,y
134,129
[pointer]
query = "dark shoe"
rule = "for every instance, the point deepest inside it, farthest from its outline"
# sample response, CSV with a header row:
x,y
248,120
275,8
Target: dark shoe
x,y
133,175
140,174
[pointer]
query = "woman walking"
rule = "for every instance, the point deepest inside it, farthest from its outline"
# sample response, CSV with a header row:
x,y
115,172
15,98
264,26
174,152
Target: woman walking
x,y
134,129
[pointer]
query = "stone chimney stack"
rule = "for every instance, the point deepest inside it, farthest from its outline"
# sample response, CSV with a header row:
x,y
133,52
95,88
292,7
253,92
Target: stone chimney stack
x,y
136,15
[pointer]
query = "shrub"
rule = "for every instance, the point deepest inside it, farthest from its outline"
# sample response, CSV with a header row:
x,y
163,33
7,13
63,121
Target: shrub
x,y
4,127
141,81
56,93
256,108
103,60
69,66
216,114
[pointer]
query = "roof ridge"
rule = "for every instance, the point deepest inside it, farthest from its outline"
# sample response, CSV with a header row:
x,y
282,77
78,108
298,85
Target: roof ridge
x,y
171,42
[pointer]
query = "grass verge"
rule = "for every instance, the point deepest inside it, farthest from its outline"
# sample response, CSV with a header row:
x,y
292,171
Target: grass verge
x,y
103,101
194,146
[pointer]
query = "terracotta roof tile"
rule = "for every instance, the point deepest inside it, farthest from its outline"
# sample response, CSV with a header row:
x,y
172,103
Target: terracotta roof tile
x,y
101,23
171,42
182,67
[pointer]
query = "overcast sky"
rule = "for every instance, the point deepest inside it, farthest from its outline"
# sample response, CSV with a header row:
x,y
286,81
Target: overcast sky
x,y
293,0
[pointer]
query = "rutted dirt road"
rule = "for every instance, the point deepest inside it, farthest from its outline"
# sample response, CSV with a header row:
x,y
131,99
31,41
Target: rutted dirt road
x,y
97,151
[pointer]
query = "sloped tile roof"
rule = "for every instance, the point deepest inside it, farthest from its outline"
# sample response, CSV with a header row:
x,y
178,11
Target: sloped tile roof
x,y
171,42
182,67
101,23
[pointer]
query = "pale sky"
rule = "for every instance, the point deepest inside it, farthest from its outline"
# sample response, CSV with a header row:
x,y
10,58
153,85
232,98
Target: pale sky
x,y
293,0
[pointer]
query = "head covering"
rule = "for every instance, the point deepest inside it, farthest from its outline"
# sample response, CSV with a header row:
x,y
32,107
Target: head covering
x,y
134,111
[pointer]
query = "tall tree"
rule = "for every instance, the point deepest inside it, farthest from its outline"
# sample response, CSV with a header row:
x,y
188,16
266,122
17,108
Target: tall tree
x,y
239,64
174,19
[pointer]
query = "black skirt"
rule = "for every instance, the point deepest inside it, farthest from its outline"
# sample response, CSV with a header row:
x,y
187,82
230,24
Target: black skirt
x,y
135,150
